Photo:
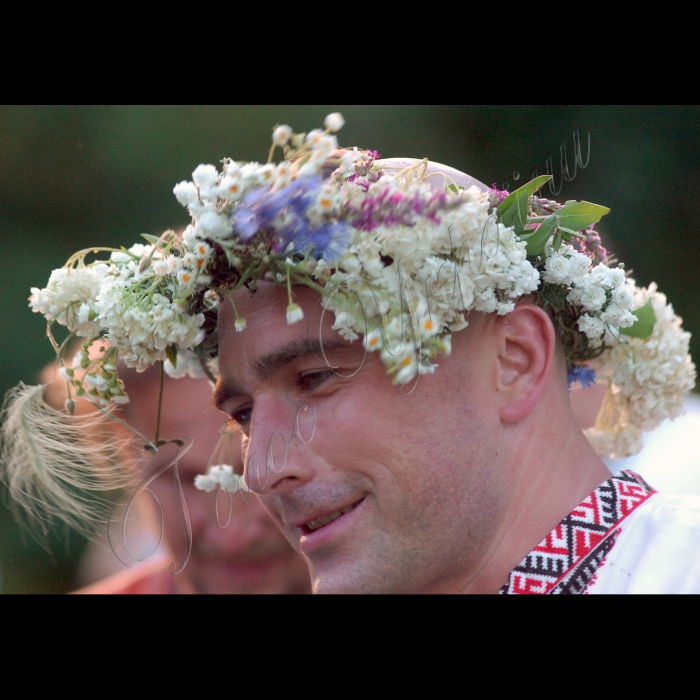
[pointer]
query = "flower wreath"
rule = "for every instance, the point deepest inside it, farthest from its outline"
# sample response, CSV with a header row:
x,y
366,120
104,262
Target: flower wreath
x,y
401,254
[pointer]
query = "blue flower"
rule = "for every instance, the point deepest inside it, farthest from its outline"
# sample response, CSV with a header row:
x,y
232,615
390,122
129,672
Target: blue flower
x,y
283,214
582,374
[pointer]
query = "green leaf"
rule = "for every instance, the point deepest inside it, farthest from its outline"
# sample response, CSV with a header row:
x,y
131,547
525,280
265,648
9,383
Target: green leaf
x,y
150,239
556,243
171,353
646,320
514,209
453,188
569,233
537,240
576,216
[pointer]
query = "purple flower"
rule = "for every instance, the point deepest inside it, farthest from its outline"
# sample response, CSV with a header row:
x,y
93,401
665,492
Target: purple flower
x,y
583,374
393,208
498,195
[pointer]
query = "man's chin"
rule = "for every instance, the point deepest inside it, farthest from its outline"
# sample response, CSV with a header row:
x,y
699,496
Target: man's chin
x,y
347,579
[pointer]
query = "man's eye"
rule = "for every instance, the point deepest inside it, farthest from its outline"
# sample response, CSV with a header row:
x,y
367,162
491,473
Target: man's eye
x,y
243,415
312,380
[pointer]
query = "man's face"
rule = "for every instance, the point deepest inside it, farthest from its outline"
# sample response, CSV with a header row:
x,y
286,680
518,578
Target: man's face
x,y
247,556
415,477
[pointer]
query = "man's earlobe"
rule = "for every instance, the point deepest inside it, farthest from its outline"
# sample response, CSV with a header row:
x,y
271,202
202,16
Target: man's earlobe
x,y
526,355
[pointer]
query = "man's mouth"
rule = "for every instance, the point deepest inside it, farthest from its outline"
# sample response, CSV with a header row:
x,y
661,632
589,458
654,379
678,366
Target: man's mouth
x,y
323,520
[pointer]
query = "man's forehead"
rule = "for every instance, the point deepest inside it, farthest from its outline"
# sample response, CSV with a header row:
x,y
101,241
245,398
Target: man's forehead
x,y
268,304
268,342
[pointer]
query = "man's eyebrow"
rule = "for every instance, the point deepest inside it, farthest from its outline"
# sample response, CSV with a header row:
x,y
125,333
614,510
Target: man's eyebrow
x,y
267,366
225,391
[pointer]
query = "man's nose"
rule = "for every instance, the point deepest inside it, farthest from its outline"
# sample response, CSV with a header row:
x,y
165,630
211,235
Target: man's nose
x,y
278,457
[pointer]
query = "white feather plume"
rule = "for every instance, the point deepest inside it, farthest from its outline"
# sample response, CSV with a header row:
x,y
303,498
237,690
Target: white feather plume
x,y
57,466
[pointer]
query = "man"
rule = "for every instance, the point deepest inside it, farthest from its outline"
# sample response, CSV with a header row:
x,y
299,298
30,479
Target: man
x,y
449,487
249,555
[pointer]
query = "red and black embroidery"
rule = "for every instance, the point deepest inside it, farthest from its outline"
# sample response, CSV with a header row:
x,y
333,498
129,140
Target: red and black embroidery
x,y
568,558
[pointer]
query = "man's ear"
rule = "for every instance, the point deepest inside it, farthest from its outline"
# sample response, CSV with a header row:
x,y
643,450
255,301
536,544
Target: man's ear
x,y
526,346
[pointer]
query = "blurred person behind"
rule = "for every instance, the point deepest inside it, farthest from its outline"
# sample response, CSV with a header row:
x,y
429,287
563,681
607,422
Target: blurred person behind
x,y
250,555
670,459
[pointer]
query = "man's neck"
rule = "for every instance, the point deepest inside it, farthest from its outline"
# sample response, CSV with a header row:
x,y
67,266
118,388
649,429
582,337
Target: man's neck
x,y
554,470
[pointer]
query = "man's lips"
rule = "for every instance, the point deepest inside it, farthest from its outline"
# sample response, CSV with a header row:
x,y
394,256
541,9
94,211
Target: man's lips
x,y
320,519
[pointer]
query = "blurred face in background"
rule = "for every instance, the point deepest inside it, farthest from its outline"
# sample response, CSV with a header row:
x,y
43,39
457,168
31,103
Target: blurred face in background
x,y
250,555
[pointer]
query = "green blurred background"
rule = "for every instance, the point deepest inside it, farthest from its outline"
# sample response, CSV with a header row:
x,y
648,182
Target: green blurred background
x,y
74,176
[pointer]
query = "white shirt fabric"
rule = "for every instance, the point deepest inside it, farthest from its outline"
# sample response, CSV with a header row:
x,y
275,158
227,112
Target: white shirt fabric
x,y
657,550
670,459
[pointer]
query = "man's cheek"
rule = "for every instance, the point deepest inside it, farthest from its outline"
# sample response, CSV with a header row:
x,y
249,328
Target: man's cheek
x,y
272,506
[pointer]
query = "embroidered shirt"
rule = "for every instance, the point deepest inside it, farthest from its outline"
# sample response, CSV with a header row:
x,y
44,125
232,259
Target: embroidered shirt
x,y
604,544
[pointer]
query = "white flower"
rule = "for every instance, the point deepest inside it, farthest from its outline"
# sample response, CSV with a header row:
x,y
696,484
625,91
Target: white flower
x,y
623,296
231,188
592,326
612,314
505,307
347,164
627,320
407,368
188,365
161,268
205,176
190,260
648,379
231,168
579,265
174,264
240,324
189,237
284,175
294,314
373,341
334,122
185,193
205,483
213,225
249,174
84,314
327,199
315,137
185,278
601,276
558,269
266,174
69,298
428,327
281,135
140,250
616,276
593,297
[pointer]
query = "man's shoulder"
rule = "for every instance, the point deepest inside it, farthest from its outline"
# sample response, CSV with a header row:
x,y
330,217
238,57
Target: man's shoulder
x,y
150,578
657,549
